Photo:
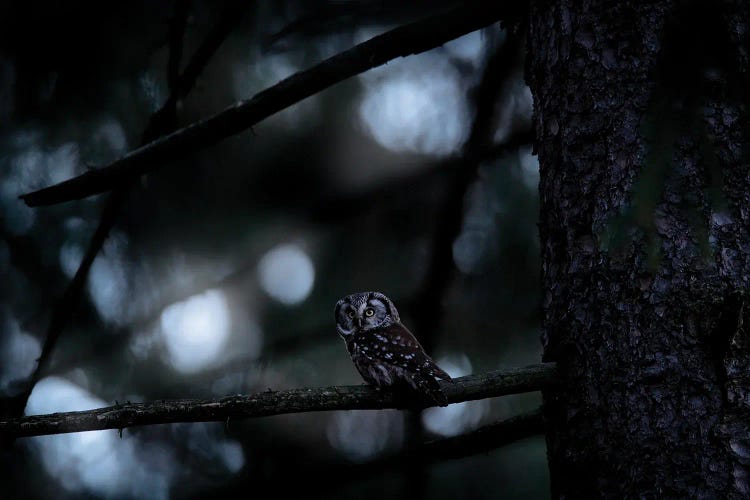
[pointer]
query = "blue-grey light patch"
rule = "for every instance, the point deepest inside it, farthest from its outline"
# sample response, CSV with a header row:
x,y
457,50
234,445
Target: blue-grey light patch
x,y
97,463
479,236
362,435
207,441
469,47
513,110
529,168
195,331
286,273
70,258
109,283
18,354
112,279
460,417
29,166
107,140
416,105
468,249
142,343
265,70
153,89
231,455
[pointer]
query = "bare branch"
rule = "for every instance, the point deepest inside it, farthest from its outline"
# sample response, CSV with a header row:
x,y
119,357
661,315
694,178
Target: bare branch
x,y
409,39
472,387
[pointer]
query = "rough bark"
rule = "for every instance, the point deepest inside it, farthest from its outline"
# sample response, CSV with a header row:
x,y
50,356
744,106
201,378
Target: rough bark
x,y
641,126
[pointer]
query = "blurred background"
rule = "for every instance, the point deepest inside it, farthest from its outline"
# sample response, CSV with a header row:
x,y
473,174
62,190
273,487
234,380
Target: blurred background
x,y
221,273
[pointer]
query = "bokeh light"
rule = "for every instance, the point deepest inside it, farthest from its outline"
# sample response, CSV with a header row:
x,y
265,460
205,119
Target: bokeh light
x,y
96,462
361,435
419,106
529,168
31,167
18,354
109,284
456,418
286,273
195,330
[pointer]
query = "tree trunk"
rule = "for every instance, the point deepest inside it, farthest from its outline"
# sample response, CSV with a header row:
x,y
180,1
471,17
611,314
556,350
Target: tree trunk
x,y
642,125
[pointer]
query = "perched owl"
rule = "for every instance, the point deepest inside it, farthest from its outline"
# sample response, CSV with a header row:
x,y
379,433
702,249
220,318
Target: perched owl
x,y
385,353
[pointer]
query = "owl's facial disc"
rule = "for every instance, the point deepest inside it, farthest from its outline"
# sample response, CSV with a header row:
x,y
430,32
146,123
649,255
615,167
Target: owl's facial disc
x,y
345,319
372,313
363,311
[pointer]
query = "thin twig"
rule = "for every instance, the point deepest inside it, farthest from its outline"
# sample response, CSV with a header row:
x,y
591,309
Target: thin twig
x,y
472,387
410,39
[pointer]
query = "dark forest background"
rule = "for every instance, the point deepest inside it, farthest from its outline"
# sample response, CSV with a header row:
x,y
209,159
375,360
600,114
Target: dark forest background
x,y
222,269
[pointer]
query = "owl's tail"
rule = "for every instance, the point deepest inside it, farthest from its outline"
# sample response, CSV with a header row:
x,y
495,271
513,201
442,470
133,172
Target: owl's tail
x,y
429,388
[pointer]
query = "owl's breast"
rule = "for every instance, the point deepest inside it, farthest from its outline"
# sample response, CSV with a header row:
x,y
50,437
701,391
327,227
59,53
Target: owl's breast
x,y
369,364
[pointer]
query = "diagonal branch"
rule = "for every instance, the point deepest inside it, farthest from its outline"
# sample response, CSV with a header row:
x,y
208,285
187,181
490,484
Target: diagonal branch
x,y
469,388
409,39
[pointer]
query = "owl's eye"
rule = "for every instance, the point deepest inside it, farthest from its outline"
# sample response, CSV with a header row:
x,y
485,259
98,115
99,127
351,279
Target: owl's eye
x,y
351,314
369,312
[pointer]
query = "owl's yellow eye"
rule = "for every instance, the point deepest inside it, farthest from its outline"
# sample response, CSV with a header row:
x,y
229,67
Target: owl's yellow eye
x,y
351,314
369,312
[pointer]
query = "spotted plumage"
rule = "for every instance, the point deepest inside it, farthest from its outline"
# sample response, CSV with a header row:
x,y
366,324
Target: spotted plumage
x,y
383,350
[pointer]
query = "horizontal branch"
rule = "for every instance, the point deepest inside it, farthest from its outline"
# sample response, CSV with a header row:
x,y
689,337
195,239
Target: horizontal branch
x,y
471,387
410,39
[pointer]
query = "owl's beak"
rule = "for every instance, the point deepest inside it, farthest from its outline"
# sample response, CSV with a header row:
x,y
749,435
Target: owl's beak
x,y
359,322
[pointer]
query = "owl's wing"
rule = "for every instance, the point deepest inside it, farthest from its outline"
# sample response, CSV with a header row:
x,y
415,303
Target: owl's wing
x,y
410,352
417,368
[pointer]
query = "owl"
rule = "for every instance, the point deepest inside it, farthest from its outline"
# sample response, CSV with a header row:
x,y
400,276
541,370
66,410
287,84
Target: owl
x,y
384,352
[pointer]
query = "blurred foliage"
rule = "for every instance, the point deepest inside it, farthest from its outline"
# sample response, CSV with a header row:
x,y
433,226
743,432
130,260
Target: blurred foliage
x,y
78,82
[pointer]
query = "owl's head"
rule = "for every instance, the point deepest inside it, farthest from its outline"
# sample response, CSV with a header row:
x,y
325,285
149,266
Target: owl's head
x,y
364,311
